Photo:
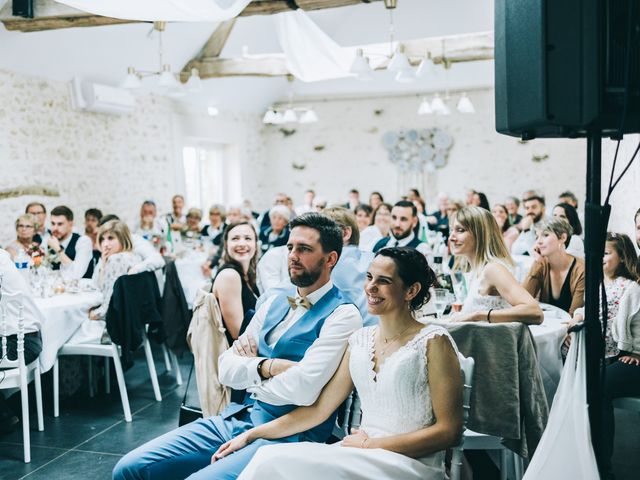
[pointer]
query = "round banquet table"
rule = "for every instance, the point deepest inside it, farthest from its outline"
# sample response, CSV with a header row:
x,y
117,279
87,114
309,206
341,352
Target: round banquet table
x,y
63,315
189,270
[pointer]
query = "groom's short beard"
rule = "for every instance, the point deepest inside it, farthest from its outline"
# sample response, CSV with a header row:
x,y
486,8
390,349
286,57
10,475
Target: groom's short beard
x,y
307,277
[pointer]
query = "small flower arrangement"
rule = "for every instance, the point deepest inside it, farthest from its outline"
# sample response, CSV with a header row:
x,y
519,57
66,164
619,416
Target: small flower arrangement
x,y
36,253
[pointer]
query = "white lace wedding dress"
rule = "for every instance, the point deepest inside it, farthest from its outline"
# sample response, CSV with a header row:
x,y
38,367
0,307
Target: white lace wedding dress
x,y
396,400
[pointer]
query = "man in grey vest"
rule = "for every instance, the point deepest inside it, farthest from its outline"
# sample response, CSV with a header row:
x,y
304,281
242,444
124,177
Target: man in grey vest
x,y
288,353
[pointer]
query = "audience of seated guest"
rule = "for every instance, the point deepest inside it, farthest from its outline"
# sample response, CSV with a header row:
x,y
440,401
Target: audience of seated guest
x,y
353,199
567,212
148,258
622,341
25,233
439,220
468,198
91,220
235,282
39,212
481,200
379,228
281,360
493,294
404,223
556,277
509,233
396,440
216,226
534,211
14,283
74,251
149,223
513,205
277,233
192,228
117,259
176,219
307,205
264,220
375,199
363,216
319,204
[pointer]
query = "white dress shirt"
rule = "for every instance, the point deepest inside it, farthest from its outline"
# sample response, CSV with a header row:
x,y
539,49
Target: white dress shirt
x,y
151,259
576,247
422,247
272,269
369,237
13,282
84,256
525,242
302,383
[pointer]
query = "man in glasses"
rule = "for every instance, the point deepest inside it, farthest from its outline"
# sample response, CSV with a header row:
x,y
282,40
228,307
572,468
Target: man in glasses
x,y
39,211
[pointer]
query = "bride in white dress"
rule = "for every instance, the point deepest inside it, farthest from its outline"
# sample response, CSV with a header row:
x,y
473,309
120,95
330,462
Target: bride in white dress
x,y
408,379
493,293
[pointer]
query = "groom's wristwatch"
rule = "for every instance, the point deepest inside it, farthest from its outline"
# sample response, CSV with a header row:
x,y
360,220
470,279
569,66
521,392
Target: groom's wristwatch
x,y
260,368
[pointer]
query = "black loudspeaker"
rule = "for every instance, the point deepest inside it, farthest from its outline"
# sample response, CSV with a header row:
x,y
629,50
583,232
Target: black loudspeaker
x,y
22,8
566,67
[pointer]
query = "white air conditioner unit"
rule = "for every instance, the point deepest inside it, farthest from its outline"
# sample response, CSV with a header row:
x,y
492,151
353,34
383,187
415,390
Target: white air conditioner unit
x,y
94,97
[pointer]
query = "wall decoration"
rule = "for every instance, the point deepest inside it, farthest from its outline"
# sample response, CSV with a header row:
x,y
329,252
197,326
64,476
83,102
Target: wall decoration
x,y
415,151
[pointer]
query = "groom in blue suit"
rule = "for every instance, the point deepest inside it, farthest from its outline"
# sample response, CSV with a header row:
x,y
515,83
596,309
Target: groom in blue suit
x,y
289,352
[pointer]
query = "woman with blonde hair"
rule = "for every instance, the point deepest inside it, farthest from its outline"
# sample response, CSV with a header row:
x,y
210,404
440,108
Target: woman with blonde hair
x,y
494,295
26,228
556,277
117,257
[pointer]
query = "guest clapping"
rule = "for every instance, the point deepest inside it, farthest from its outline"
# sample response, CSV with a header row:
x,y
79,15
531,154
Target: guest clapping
x,y
494,295
556,277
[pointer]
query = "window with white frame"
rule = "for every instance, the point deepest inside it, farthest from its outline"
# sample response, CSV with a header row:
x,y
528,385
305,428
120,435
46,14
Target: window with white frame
x,y
204,174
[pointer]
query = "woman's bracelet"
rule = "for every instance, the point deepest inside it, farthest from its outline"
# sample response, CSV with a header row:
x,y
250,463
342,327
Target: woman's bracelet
x,y
364,443
269,369
489,315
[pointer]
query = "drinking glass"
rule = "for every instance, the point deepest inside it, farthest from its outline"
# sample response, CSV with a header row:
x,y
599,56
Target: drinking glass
x,y
441,301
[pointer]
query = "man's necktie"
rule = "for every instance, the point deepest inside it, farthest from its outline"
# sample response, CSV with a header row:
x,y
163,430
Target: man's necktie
x,y
295,302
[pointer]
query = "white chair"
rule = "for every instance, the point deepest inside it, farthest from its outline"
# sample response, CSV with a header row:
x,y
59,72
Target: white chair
x,y
108,351
171,362
477,441
15,373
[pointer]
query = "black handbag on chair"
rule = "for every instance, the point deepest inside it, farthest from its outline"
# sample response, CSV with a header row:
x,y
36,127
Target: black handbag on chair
x,y
190,407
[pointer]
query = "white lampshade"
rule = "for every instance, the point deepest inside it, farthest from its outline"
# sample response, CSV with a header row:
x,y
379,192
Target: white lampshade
x,y
405,76
309,116
426,67
289,116
437,105
425,108
399,61
213,111
132,80
278,118
167,78
269,117
360,66
194,84
465,105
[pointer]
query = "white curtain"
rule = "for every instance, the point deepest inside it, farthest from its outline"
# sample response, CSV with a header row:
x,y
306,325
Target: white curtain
x,y
311,55
162,10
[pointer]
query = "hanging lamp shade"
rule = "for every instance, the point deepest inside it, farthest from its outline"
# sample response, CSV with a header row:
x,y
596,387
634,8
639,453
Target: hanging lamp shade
x,y
399,61
131,81
437,105
167,78
465,105
426,67
194,84
425,107
308,116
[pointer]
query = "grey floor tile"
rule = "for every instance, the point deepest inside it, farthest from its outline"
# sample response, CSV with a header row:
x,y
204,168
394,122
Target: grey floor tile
x,y
12,464
75,465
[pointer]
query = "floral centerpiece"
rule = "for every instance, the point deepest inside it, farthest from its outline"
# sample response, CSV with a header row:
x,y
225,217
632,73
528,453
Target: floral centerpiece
x,y
36,253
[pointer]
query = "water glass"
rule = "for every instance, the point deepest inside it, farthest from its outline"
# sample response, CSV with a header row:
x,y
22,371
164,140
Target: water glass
x,y
441,301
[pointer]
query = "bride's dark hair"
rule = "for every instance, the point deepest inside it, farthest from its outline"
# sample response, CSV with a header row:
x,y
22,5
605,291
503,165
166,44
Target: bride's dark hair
x,y
412,267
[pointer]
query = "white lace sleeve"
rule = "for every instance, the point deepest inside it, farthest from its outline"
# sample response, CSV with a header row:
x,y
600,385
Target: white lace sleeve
x,y
117,265
359,338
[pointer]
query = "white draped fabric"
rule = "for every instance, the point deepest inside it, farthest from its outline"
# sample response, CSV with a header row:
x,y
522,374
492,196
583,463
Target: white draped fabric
x,y
162,10
311,55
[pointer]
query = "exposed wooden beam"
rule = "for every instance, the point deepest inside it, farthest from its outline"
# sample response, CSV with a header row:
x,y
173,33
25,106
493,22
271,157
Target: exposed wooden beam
x,y
457,48
213,47
50,15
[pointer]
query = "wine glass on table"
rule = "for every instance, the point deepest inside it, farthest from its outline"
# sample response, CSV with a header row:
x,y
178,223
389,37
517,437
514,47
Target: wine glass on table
x,y
441,301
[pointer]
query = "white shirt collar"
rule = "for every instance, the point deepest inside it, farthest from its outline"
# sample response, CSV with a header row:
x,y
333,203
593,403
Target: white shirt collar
x,y
316,295
402,242
65,242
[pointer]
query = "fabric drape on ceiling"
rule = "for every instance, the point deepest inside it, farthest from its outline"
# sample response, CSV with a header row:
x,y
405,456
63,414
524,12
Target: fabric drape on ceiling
x,y
162,10
311,55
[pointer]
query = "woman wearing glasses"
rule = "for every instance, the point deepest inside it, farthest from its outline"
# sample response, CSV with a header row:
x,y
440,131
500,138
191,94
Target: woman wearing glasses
x,y
25,231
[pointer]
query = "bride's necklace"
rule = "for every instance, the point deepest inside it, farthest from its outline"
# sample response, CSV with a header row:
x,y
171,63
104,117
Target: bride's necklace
x,y
390,341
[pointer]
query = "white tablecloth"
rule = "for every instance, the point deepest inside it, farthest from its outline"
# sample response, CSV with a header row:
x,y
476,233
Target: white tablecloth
x,y
63,314
548,337
190,273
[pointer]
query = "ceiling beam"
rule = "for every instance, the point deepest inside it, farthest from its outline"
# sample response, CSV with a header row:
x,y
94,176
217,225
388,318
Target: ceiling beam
x,y
50,15
444,50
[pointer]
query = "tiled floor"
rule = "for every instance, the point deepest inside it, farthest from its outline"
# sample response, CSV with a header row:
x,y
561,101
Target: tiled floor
x,y
90,435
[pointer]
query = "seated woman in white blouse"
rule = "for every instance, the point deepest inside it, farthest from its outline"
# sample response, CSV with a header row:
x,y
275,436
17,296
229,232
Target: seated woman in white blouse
x,y
117,258
494,295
